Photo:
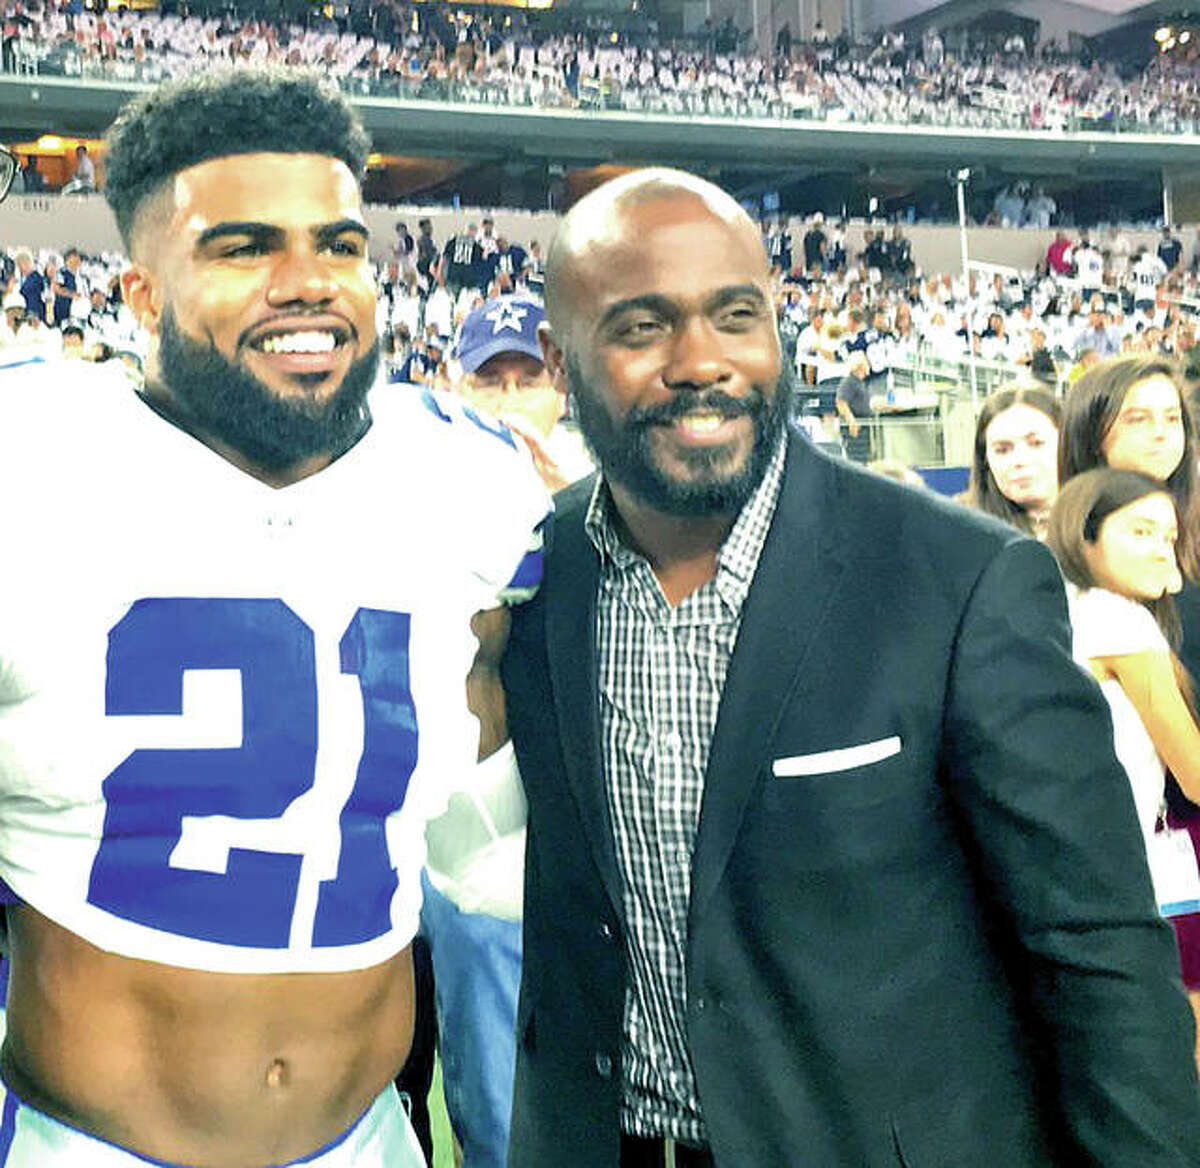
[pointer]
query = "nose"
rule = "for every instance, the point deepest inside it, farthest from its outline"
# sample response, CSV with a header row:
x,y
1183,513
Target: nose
x,y
510,383
301,276
697,358
1162,428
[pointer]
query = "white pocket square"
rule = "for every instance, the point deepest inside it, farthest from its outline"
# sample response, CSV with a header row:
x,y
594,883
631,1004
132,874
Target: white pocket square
x,y
845,759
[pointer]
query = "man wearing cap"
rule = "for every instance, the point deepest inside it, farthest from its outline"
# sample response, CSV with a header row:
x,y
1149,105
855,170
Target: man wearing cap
x,y
474,868
14,318
502,373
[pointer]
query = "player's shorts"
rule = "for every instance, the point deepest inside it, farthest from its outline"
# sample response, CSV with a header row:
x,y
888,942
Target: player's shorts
x,y
382,1138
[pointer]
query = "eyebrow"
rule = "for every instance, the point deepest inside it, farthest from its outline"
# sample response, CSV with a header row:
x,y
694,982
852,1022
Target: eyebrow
x,y
665,306
270,233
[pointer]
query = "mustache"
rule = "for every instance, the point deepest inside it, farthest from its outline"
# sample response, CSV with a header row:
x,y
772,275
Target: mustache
x,y
713,401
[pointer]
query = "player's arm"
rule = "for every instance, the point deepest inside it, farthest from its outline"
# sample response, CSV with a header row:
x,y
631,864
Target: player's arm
x,y
1148,679
485,694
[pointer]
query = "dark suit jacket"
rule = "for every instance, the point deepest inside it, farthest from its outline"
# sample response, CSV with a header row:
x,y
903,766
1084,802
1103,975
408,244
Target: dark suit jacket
x,y
948,957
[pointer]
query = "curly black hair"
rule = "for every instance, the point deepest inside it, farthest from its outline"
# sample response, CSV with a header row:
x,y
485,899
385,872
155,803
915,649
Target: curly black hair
x,y
213,115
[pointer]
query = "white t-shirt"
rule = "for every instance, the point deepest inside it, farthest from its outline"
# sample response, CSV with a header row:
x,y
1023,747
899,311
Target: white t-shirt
x,y
1105,624
228,711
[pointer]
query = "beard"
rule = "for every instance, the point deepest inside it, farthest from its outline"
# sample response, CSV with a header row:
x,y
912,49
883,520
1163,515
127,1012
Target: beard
x,y
222,399
715,482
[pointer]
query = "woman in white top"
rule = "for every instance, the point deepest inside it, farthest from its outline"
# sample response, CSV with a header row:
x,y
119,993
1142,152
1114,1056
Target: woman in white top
x,y
1114,534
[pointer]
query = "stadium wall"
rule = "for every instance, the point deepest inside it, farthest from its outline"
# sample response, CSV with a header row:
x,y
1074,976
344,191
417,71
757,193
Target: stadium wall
x,y
57,222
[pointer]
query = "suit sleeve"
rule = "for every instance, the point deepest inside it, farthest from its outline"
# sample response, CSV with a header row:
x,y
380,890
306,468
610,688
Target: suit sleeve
x,y
1048,812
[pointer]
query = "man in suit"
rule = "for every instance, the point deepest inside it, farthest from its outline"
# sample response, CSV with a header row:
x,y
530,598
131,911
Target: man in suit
x,y
830,862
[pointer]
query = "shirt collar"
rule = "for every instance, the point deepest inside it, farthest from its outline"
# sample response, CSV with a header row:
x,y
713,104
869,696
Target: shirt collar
x,y
738,555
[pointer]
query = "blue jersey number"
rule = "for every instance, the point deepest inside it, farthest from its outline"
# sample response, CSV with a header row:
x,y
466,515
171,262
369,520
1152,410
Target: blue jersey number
x,y
252,901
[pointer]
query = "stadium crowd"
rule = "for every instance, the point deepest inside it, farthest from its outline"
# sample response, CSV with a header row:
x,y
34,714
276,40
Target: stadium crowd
x,y
1092,296
397,50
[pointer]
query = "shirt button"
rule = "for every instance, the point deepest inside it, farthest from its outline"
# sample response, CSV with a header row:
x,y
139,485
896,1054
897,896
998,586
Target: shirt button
x,y
701,1004
672,740
604,1065
607,933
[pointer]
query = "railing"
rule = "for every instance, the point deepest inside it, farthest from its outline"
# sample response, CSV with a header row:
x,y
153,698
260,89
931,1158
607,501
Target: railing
x,y
925,418
764,101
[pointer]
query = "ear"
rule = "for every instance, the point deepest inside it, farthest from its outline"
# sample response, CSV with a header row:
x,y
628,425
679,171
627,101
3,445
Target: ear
x,y
143,292
553,356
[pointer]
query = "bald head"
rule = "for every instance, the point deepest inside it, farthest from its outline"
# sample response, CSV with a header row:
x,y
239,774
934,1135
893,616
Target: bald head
x,y
617,215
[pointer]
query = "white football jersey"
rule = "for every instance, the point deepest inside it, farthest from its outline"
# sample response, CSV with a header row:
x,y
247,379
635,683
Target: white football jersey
x,y
227,711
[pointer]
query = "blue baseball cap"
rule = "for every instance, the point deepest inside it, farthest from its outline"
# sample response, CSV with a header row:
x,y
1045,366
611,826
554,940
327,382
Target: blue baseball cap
x,y
504,324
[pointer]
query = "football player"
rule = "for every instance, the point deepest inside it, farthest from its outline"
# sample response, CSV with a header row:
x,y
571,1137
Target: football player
x,y
248,627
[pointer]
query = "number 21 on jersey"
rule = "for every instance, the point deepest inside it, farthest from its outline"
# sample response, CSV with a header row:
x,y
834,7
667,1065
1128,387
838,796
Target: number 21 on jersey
x,y
149,795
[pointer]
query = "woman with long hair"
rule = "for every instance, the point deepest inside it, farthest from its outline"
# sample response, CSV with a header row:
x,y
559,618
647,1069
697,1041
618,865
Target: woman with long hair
x,y
1131,413
1114,534
1014,466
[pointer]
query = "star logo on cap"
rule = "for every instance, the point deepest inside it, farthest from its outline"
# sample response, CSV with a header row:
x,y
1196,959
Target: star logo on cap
x,y
507,316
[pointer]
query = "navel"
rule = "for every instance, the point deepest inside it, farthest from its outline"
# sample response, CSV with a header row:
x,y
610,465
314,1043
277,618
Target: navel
x,y
278,1074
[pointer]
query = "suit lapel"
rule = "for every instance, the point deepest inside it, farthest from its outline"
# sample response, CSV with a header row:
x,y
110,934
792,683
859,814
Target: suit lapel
x,y
573,577
796,577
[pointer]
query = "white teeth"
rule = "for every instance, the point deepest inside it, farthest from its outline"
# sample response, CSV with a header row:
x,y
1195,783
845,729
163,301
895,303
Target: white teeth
x,y
308,342
701,423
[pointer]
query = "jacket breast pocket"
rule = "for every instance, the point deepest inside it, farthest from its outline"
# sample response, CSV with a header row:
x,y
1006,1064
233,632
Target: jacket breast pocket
x,y
842,758
849,804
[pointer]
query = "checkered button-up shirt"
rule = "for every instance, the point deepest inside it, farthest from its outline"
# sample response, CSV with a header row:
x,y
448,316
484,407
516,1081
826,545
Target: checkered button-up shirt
x,y
662,670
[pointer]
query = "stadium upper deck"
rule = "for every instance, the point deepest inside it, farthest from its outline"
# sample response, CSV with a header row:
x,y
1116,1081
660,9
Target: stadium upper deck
x,y
512,96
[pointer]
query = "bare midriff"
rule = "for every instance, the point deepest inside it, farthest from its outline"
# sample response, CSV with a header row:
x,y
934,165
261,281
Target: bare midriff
x,y
214,1070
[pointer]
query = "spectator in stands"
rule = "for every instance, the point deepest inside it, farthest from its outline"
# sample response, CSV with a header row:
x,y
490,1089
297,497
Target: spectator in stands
x,y
898,253
1089,268
1145,276
428,366
84,178
534,272
12,327
439,308
72,341
505,264
403,247
67,287
1097,337
462,261
1170,250
853,404
814,244
1040,209
1014,465
778,241
32,284
1117,251
487,236
1058,255
994,342
1009,206
427,251
100,313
